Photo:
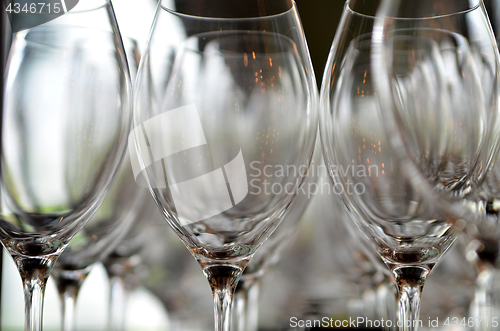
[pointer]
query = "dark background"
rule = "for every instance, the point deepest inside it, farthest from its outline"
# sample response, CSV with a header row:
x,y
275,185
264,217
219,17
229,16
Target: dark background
x,y
320,19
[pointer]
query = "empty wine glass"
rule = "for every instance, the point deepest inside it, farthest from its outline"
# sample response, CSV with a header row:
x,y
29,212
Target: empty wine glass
x,y
447,121
459,27
98,238
471,167
104,231
230,90
481,244
121,264
66,113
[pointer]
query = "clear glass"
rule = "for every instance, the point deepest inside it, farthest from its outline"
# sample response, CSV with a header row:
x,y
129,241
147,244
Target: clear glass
x,y
481,244
432,80
227,97
460,34
67,112
121,264
104,231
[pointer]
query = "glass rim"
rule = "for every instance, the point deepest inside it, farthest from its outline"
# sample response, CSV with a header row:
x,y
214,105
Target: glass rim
x,y
293,7
354,12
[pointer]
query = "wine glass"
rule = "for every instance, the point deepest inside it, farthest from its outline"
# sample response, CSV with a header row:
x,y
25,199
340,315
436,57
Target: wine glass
x,y
478,219
123,262
447,120
230,92
104,231
481,242
66,113
120,264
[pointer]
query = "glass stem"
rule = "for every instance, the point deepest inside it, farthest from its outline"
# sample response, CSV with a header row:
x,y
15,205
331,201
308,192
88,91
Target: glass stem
x,y
223,280
486,304
34,274
391,303
68,299
240,303
386,303
118,301
121,274
246,305
69,283
410,281
253,306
